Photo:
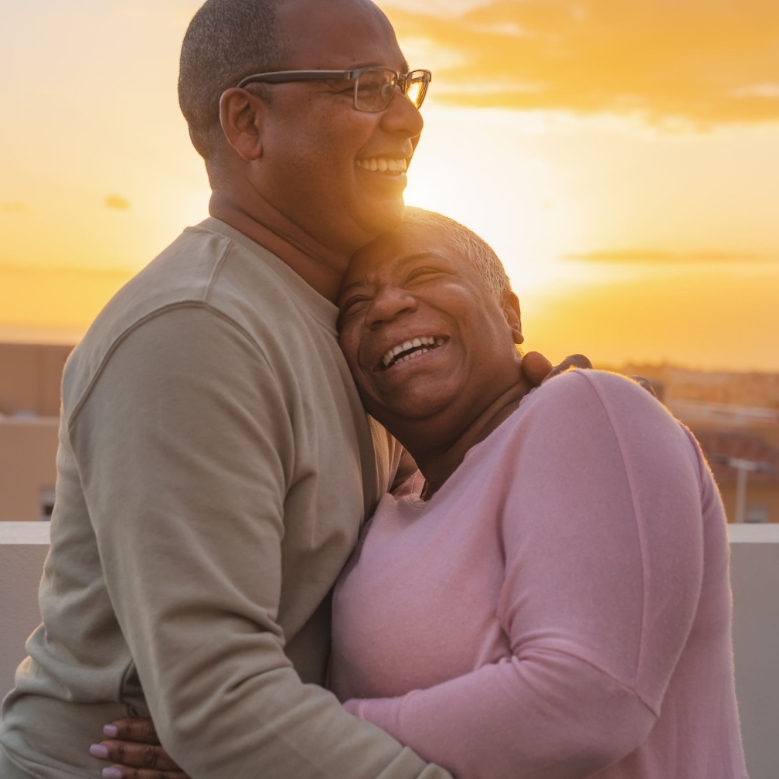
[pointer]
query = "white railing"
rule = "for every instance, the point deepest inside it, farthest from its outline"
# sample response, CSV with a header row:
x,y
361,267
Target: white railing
x,y
23,547
755,579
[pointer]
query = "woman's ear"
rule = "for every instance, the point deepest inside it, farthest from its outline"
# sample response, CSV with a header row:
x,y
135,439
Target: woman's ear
x,y
241,115
513,316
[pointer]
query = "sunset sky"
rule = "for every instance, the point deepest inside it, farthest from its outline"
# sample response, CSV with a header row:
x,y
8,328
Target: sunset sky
x,y
622,156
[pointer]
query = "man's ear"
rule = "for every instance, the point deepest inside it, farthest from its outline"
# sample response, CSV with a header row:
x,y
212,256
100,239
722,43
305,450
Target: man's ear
x,y
241,115
513,316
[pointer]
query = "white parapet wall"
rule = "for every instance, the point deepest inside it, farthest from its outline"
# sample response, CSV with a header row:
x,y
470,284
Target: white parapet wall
x,y
23,548
754,573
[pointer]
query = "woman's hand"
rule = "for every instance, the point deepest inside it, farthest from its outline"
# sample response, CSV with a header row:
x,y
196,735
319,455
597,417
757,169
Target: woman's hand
x,y
135,751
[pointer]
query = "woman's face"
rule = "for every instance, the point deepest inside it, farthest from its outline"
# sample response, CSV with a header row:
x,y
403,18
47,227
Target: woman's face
x,y
421,331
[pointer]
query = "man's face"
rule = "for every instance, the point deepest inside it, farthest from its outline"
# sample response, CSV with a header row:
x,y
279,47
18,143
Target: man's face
x,y
420,330
314,138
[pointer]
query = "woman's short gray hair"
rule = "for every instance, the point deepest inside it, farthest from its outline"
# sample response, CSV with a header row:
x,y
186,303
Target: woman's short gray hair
x,y
471,247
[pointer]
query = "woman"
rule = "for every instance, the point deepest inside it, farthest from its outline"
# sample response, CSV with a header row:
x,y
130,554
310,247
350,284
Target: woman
x,y
548,596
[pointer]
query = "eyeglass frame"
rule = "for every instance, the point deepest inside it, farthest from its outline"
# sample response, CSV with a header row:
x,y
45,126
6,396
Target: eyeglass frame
x,y
291,76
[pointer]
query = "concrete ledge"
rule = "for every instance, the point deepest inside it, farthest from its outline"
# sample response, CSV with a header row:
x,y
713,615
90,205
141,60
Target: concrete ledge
x,y
20,533
754,578
23,549
754,534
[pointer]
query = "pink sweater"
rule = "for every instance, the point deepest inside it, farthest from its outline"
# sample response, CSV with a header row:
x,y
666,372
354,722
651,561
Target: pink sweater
x,y
560,607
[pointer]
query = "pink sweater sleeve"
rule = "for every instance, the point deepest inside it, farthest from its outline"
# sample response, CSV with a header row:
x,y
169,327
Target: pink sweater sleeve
x,y
600,516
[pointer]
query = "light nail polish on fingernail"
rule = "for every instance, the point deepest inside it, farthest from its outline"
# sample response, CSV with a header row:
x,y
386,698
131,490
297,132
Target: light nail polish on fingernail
x,y
98,750
111,731
112,773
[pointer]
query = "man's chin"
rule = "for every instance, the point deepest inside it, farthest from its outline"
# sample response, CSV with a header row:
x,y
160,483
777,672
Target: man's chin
x,y
384,217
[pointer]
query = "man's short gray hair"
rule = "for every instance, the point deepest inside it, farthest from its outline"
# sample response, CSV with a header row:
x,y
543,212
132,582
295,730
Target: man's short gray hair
x,y
226,41
470,246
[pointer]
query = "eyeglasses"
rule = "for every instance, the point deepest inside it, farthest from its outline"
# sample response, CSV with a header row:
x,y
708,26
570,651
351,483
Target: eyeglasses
x,y
373,87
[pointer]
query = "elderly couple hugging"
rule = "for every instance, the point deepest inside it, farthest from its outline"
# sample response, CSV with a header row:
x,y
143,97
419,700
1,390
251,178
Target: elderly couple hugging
x,y
543,594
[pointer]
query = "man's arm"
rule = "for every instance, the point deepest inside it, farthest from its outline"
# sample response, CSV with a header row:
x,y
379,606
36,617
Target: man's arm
x,y
186,454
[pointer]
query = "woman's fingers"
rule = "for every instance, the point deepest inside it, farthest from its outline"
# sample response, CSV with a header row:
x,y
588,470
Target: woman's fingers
x,y
134,755
139,729
646,384
122,772
537,369
572,361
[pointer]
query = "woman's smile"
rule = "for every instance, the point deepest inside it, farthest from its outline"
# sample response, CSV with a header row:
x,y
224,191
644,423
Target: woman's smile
x,y
430,360
410,349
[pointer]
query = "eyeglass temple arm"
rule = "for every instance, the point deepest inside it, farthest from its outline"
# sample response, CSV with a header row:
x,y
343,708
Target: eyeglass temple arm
x,y
280,76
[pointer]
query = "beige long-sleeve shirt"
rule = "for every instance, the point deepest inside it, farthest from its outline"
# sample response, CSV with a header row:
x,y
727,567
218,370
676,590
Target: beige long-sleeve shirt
x,y
214,468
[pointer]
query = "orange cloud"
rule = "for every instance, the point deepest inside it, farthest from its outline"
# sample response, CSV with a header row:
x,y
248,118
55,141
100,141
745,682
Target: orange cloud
x,y
117,203
15,207
700,62
653,257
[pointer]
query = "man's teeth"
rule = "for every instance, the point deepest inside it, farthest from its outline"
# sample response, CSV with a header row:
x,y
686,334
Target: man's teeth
x,y
382,164
417,345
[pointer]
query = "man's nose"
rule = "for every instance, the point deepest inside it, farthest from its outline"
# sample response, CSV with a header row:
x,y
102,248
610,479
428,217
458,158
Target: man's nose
x,y
390,303
402,116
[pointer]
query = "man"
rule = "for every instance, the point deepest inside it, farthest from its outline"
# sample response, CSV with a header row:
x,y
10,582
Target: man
x,y
215,462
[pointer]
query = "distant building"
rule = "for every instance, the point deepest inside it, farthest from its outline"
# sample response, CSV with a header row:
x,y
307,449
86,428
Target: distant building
x,y
725,388
30,377
747,456
735,416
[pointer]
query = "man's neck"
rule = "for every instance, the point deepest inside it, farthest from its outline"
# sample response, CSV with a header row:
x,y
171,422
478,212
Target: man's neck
x,y
317,265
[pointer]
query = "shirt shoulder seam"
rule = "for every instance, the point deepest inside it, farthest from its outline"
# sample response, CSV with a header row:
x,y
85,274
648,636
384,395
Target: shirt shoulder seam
x,y
639,528
138,323
216,269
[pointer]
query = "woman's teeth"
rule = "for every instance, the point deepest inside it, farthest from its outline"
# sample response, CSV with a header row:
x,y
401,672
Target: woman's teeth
x,y
384,165
414,348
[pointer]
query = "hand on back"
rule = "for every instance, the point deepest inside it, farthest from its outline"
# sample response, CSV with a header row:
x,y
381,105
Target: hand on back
x,y
135,751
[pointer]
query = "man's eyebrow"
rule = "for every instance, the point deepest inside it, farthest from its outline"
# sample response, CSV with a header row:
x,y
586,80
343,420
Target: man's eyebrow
x,y
359,65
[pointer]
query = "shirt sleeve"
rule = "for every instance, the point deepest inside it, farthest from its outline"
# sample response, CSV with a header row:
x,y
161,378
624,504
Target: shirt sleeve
x,y
602,529
186,450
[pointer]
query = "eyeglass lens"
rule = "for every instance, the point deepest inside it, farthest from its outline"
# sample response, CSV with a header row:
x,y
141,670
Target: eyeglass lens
x,y
416,88
375,88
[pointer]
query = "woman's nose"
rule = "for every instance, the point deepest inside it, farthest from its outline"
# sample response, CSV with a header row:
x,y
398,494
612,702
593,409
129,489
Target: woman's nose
x,y
388,304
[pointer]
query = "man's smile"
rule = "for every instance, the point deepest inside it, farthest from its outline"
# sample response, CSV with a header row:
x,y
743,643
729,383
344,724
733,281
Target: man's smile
x,y
387,165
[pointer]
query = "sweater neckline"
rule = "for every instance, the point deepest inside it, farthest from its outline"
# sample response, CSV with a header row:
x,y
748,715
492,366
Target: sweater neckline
x,y
413,497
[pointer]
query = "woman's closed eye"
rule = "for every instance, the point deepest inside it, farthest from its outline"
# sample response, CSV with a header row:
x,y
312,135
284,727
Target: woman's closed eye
x,y
353,305
423,273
